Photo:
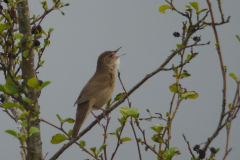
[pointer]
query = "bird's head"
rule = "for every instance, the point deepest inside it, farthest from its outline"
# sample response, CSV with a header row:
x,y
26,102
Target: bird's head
x,y
109,60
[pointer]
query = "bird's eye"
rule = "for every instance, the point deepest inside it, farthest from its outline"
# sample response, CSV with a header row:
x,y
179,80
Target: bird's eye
x,y
110,56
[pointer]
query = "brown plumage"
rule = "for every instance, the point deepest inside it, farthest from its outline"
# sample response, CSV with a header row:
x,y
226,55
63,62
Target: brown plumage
x,y
99,88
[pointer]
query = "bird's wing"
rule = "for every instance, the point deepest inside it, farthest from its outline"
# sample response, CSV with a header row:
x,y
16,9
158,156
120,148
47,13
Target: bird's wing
x,y
96,88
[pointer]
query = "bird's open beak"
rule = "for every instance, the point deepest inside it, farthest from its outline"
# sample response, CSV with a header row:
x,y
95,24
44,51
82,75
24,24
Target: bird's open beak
x,y
120,54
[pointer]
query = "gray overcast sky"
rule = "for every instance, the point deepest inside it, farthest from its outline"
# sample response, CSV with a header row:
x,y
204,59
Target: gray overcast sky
x,y
92,27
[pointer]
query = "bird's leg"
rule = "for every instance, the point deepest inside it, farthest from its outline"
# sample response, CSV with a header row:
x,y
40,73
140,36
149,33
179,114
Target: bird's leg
x,y
103,112
96,117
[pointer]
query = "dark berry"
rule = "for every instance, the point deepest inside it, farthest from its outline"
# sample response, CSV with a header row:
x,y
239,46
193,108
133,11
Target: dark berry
x,y
201,154
37,28
196,38
37,43
11,55
176,34
1,7
2,99
196,147
213,150
8,43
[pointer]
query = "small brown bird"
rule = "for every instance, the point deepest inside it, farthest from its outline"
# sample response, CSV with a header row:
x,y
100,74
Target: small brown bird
x,y
99,88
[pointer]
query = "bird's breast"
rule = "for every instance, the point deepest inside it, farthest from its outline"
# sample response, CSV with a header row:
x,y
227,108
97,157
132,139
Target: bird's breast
x,y
102,98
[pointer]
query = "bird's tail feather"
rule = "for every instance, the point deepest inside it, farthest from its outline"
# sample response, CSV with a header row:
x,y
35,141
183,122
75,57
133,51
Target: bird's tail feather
x,y
83,110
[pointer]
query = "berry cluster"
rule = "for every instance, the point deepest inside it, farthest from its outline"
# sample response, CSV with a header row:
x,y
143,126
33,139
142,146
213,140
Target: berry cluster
x,y
36,29
200,152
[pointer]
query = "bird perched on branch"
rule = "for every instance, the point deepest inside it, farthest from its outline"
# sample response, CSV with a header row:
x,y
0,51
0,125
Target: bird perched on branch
x,y
99,88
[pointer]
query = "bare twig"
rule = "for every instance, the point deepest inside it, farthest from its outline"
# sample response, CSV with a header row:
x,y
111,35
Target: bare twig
x,y
189,148
224,82
105,136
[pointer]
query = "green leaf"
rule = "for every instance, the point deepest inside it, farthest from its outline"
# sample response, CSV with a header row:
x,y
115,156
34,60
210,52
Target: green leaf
x,y
113,133
10,86
170,153
123,111
188,57
118,130
46,43
19,76
178,45
41,63
12,132
126,111
24,123
174,88
44,3
34,83
58,138
126,139
22,139
108,104
33,130
190,95
22,115
50,30
175,72
70,132
3,26
203,10
163,8
43,32
60,119
122,120
133,112
25,53
69,120
82,143
233,76
25,99
168,115
158,128
93,149
119,96
238,37
101,148
2,88
18,36
10,89
44,84
11,104
157,138
185,74
1,18
230,106
194,5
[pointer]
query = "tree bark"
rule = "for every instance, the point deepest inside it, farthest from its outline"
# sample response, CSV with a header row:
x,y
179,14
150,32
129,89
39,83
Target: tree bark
x,y
28,71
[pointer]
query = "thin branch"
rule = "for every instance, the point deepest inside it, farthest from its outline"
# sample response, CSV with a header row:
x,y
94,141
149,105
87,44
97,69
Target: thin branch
x,y
118,143
189,148
61,129
145,142
105,136
131,122
224,82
